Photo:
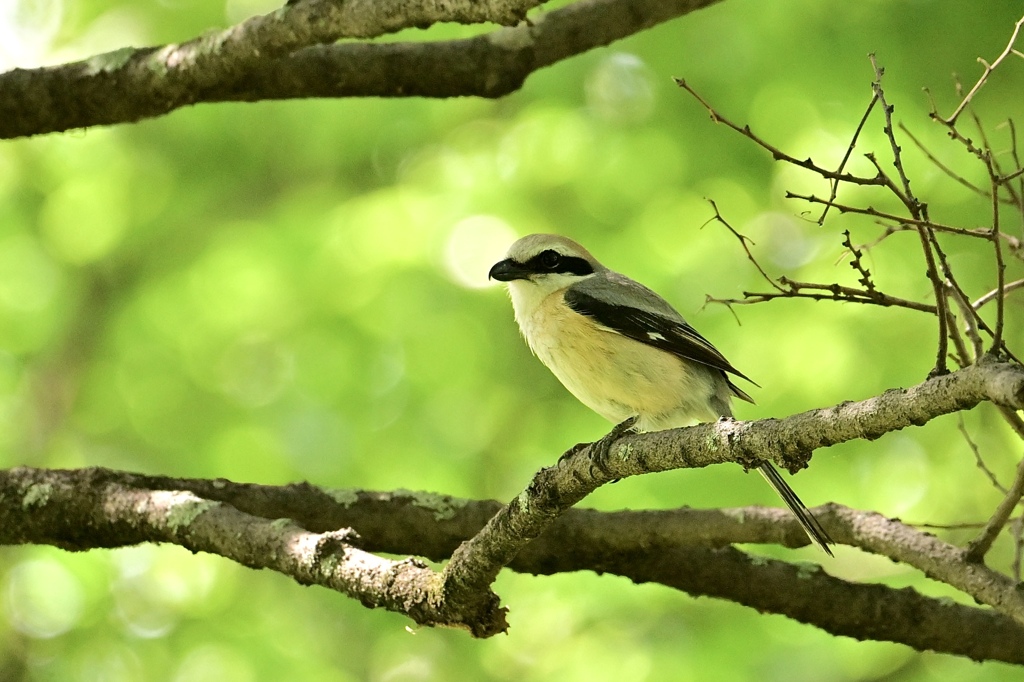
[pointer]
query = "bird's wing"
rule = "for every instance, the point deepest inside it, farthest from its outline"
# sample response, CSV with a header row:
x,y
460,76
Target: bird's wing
x,y
674,336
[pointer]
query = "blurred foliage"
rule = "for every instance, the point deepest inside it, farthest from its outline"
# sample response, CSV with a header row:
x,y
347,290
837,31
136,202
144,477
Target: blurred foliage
x,y
297,290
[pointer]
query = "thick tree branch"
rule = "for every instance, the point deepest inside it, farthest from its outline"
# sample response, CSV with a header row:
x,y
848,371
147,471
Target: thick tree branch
x,y
96,508
285,55
685,548
93,508
807,594
935,558
788,442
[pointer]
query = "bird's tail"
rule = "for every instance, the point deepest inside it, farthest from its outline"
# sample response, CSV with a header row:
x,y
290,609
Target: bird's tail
x,y
810,524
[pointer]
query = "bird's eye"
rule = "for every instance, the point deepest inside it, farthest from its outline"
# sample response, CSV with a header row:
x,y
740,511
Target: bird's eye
x,y
550,259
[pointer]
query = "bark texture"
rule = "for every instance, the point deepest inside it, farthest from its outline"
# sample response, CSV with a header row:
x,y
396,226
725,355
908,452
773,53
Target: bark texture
x,y
328,537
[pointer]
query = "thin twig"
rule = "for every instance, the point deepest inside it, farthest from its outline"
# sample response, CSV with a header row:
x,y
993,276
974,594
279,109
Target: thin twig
x,y
777,153
1018,546
978,547
744,242
857,264
1011,286
897,155
1012,176
977,455
997,244
990,152
951,121
951,281
941,166
920,212
1017,174
887,181
887,231
969,319
846,156
945,526
963,356
993,156
913,223
1015,246
829,292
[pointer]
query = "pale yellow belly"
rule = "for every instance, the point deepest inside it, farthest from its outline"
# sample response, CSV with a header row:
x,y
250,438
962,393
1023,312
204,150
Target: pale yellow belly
x,y
615,376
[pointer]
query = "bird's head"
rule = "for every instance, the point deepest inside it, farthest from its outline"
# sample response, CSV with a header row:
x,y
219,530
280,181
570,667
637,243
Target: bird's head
x,y
547,261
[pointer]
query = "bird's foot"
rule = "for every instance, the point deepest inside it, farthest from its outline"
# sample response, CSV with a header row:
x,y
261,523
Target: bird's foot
x,y
600,450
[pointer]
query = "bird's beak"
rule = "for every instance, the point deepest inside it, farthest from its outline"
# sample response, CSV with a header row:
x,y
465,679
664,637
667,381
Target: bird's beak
x,y
508,270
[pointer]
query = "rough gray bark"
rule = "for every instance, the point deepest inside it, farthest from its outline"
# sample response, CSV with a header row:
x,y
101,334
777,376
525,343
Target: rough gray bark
x,y
290,54
685,549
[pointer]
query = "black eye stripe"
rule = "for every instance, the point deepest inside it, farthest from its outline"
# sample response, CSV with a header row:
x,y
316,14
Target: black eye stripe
x,y
544,263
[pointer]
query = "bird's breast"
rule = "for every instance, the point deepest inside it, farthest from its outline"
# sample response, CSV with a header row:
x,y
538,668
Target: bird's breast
x,y
613,375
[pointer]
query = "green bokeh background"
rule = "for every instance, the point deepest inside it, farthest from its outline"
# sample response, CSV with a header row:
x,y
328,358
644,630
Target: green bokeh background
x,y
297,290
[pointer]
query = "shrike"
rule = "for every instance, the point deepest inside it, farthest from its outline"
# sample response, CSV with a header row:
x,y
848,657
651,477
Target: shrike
x,y
621,349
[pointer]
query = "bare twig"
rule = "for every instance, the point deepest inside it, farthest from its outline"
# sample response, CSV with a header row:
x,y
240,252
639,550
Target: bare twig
x,y
970,321
989,68
977,456
1011,176
946,526
978,547
941,166
993,158
846,156
905,223
1015,421
829,292
997,245
887,231
1017,174
939,272
777,153
919,211
744,242
967,310
912,223
857,264
1006,289
788,288
962,357
907,195
1018,547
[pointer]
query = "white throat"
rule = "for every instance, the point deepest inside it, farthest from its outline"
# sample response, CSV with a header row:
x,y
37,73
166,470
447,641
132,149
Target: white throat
x,y
527,296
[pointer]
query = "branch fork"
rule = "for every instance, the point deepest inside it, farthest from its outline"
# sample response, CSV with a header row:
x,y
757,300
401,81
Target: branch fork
x,y
81,509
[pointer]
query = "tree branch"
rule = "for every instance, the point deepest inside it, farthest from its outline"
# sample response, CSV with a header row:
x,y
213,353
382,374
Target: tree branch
x,y
989,68
685,548
807,594
91,508
286,55
788,442
978,547
936,559
98,508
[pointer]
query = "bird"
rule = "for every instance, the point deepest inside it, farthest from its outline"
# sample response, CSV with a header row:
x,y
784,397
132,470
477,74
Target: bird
x,y
622,350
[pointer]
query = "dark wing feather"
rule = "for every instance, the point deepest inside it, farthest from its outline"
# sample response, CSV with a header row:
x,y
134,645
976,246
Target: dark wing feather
x,y
672,336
